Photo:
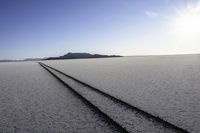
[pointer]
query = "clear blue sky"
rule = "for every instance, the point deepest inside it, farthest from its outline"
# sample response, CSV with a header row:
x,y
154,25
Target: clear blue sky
x,y
43,28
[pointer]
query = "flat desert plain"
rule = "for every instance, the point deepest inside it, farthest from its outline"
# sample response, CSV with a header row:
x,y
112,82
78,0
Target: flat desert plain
x,y
164,88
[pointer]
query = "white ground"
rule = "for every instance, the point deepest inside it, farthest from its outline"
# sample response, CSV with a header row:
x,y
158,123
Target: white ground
x,y
134,121
166,86
31,100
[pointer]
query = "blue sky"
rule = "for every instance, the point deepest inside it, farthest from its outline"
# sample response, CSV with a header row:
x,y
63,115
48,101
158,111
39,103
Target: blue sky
x,y
43,28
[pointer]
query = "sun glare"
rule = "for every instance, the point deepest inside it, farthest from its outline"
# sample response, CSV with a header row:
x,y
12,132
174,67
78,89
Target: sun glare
x,y
187,21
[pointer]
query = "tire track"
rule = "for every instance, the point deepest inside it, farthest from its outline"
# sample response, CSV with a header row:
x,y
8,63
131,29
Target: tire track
x,y
116,104
104,116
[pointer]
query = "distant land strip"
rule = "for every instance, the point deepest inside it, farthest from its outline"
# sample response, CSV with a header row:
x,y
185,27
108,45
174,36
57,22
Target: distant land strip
x,y
80,56
66,56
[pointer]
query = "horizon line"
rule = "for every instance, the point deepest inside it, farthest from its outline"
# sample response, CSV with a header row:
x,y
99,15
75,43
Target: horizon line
x,y
136,55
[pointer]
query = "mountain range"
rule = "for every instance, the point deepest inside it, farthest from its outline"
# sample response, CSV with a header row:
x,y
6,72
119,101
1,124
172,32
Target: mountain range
x,y
66,56
80,56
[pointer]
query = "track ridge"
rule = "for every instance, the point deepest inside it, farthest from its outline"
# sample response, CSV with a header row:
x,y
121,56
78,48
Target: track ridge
x,y
117,126
119,101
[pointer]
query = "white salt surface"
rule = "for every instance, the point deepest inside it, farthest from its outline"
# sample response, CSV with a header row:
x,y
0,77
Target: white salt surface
x,y
33,101
132,120
165,86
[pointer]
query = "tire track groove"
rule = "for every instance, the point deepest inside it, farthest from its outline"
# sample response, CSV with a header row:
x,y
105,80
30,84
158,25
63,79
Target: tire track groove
x,y
122,103
109,120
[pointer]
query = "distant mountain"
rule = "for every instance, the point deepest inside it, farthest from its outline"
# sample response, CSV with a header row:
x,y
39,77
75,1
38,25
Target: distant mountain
x,y
81,56
66,56
6,60
33,59
28,59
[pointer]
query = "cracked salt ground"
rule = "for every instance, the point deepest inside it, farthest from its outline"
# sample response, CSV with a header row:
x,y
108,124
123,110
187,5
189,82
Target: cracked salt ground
x,y
33,101
133,120
165,86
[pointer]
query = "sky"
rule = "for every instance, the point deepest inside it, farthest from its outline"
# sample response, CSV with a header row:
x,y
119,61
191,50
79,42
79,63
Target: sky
x,y
44,28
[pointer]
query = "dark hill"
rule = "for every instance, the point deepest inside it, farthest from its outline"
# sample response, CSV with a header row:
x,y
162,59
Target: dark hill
x,y
80,56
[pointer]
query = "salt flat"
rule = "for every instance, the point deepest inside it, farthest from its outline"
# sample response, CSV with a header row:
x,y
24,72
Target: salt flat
x,y
132,119
32,100
165,86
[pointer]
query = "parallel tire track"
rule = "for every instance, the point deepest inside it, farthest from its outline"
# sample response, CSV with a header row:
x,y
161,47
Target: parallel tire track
x,y
118,101
104,116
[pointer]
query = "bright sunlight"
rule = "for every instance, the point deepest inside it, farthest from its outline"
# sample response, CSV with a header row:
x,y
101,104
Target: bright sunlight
x,y
186,23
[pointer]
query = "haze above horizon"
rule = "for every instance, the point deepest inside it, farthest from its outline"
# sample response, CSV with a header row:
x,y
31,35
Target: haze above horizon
x,y
45,28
